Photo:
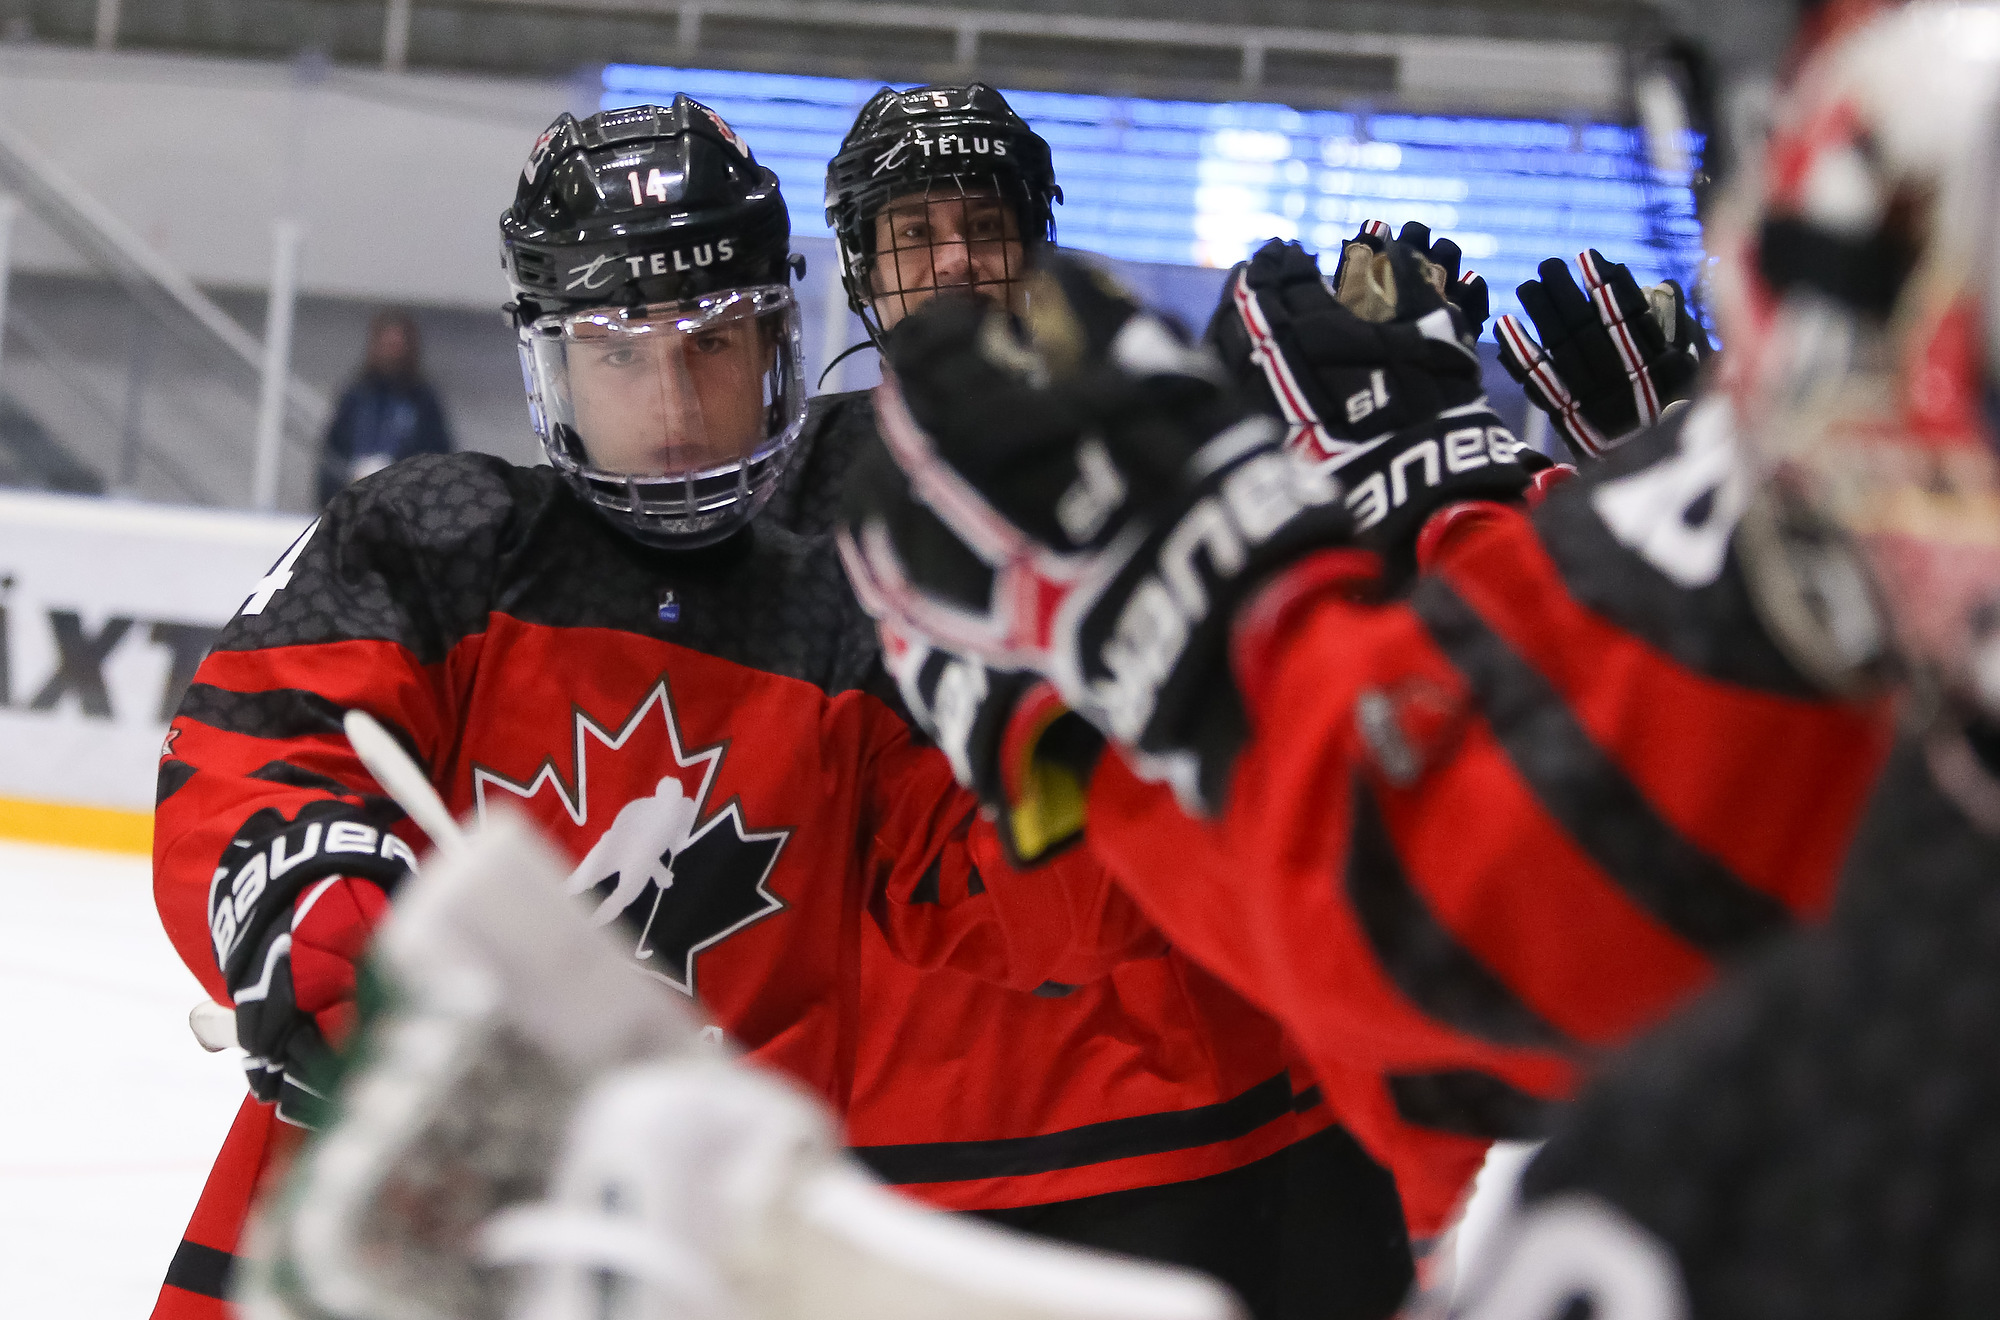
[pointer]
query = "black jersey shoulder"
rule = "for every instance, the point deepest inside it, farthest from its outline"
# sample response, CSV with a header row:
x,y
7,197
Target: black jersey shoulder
x,y
1815,1137
808,496
424,553
1915,845
1712,626
406,555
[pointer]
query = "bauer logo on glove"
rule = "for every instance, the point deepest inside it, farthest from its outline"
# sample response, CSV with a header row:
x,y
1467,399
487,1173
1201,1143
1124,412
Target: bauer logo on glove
x,y
1375,378
290,911
1091,505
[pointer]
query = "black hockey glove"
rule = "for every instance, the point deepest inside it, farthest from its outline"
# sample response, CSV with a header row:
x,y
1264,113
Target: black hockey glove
x,y
1091,505
1612,356
291,910
1375,384
1008,736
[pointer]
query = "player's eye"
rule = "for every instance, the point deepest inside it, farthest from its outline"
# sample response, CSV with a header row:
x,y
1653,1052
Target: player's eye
x,y
914,231
710,342
619,356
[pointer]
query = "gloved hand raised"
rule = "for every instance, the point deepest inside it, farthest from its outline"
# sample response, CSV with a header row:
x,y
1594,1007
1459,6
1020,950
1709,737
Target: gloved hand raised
x,y
1375,382
1464,290
1091,504
1612,357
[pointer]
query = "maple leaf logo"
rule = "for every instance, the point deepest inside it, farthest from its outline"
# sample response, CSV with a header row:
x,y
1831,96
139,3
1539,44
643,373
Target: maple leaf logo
x,y
675,882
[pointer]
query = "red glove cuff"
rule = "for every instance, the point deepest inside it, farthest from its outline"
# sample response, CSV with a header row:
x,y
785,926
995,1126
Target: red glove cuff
x,y
331,926
1546,481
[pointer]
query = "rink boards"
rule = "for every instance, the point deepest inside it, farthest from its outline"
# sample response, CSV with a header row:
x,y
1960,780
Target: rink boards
x,y
106,607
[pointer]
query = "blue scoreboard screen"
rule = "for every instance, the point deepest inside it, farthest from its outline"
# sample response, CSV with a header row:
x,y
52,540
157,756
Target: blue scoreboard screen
x,y
1202,184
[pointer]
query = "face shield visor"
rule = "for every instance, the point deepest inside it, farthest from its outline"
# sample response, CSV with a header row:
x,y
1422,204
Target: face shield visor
x,y
675,418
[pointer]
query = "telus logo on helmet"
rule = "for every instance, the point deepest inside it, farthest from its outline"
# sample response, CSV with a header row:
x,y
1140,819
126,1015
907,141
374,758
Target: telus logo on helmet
x,y
586,275
948,144
593,274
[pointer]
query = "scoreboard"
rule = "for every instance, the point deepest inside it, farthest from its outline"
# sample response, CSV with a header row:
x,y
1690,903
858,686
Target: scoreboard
x,y
1188,183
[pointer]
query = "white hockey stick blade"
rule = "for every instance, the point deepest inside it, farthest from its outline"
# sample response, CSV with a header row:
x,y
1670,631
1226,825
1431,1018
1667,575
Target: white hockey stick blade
x,y
214,1025
403,779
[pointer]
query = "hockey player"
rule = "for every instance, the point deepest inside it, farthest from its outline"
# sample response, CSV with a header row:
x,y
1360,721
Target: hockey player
x,y
1730,644
1816,1138
677,696
1165,1121
1467,841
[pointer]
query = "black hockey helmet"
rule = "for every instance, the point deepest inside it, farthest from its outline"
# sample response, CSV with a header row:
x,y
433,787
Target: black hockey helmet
x,y
947,141
641,205
649,256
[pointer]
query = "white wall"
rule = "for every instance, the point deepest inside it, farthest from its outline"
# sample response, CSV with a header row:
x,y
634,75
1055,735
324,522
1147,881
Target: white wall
x,y
71,569
399,180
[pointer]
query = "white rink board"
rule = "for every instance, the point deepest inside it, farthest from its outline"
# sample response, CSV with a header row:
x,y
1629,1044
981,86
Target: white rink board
x,y
85,728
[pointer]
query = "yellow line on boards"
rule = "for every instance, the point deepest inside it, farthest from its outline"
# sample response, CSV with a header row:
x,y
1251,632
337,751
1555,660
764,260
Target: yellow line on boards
x,y
104,828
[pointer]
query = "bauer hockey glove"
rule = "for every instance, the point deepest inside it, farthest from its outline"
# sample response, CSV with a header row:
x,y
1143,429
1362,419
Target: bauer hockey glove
x,y
290,913
1375,384
1612,356
1091,505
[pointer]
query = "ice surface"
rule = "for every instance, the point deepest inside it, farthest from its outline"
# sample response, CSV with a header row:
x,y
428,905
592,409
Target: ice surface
x,y
109,1111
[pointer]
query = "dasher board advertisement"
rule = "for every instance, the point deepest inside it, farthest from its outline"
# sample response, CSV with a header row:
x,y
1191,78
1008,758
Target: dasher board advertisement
x,y
106,607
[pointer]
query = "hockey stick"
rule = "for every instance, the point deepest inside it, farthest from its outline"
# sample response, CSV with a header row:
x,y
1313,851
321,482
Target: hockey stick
x,y
403,779
213,1024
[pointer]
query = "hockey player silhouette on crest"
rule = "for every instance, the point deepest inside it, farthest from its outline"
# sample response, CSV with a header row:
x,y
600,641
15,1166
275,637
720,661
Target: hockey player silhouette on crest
x,y
635,857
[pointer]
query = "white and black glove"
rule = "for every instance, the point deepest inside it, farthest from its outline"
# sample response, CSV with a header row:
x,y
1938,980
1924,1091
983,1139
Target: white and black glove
x,y
1376,383
1612,357
1091,505
290,912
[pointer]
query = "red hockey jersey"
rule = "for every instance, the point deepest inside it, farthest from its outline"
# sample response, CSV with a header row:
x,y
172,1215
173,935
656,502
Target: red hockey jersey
x,y
715,708
974,1097
694,729
1481,836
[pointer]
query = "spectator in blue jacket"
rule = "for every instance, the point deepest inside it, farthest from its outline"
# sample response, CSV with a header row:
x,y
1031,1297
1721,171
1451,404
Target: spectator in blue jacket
x,y
390,411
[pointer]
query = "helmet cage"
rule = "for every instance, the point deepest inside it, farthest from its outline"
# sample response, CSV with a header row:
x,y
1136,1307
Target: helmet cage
x,y
961,215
